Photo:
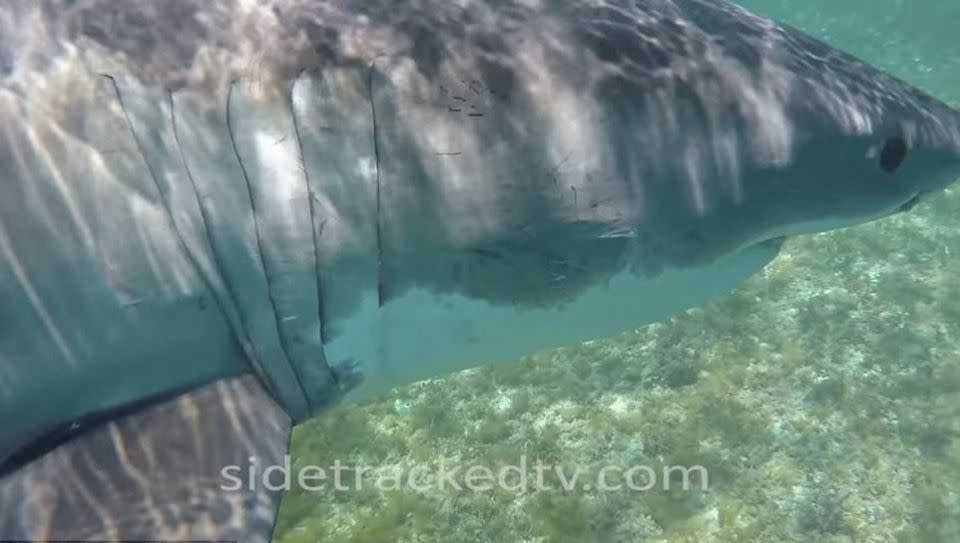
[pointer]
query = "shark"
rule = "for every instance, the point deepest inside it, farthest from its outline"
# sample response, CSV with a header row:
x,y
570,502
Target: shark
x,y
222,217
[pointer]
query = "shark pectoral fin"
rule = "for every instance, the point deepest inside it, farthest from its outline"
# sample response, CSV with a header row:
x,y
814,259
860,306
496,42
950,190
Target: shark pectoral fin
x,y
172,471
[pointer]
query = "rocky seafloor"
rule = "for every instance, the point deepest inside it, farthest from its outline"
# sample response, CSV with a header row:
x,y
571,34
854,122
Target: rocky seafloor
x,y
822,397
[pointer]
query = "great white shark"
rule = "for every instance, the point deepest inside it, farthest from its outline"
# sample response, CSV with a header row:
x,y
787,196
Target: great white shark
x,y
219,218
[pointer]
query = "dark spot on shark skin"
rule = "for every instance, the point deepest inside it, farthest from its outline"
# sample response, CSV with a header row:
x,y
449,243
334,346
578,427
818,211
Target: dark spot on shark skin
x,y
893,154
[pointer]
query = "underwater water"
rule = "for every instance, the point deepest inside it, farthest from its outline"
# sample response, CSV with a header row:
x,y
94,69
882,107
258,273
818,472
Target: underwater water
x,y
822,397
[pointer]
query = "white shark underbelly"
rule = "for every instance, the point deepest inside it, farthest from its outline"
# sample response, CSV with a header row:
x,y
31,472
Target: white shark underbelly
x,y
421,334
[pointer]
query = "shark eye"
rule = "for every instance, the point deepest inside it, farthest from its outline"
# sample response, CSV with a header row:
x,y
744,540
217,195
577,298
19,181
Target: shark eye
x,y
893,154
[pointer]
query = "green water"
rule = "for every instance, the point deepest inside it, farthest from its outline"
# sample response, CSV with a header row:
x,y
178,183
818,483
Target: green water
x,y
918,41
823,396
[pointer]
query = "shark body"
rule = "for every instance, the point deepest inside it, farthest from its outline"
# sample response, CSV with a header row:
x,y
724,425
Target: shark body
x,y
220,218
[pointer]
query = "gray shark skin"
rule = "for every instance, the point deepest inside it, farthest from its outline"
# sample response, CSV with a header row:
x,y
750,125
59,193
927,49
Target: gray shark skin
x,y
219,218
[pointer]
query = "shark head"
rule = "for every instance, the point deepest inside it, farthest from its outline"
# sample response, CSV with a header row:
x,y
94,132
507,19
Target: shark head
x,y
787,135
861,145
603,168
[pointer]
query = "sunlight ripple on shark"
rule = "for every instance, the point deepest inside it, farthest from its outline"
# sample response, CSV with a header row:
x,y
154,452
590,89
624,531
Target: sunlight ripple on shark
x,y
219,218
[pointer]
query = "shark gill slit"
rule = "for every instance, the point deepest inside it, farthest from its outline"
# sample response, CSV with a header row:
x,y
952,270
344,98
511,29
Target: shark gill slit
x,y
67,431
241,329
316,229
263,260
168,212
381,291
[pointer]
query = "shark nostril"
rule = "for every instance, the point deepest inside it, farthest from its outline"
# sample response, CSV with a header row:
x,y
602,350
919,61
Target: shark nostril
x,y
893,154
